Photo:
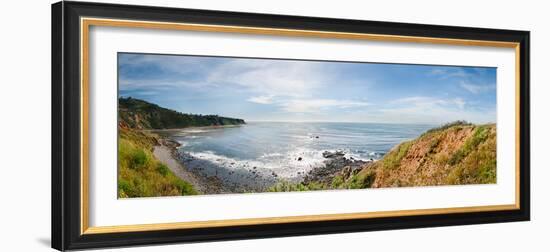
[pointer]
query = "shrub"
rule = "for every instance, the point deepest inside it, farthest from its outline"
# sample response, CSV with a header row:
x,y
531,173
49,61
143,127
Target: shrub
x,y
138,159
123,185
337,181
363,179
286,186
392,159
449,125
481,133
475,162
433,144
163,169
184,187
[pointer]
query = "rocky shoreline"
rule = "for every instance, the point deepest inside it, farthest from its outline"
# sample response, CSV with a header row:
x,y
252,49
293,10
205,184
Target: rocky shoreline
x,y
335,164
236,179
202,183
437,157
215,179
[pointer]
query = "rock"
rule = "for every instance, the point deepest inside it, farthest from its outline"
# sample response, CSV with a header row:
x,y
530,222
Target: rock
x,y
328,154
335,164
346,172
168,143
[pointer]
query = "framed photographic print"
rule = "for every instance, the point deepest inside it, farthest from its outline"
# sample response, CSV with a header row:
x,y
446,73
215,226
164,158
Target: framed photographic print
x,y
180,125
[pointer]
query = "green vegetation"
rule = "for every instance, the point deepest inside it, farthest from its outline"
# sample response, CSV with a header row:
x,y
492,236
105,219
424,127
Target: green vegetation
x,y
286,186
447,126
140,174
480,135
363,179
139,114
475,161
393,158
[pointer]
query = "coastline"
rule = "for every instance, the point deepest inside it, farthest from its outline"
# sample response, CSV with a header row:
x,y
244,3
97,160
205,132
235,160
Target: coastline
x,y
210,178
440,156
335,164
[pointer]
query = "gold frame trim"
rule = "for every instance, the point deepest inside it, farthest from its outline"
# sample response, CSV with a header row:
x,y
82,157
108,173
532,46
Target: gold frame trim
x,y
85,24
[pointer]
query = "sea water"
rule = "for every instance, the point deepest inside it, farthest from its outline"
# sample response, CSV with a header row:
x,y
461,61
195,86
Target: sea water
x,y
284,150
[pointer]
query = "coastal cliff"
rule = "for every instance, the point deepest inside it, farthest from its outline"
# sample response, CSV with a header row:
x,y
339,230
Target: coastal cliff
x,y
140,114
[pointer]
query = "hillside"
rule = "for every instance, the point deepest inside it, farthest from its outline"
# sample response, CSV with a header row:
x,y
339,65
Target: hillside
x,y
140,114
140,174
455,153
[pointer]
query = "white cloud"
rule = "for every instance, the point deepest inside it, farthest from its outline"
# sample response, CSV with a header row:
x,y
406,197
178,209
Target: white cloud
x,y
430,102
437,71
316,105
449,73
301,90
419,101
476,89
304,105
464,76
272,78
459,102
173,64
425,101
265,99
432,110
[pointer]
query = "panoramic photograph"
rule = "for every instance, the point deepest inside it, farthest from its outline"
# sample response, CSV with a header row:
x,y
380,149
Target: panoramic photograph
x,y
200,125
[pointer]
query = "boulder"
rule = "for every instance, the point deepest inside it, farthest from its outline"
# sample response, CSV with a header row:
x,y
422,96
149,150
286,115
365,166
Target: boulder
x,y
328,154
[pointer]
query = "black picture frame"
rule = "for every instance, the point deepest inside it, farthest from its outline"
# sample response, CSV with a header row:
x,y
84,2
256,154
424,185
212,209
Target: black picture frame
x,y
66,155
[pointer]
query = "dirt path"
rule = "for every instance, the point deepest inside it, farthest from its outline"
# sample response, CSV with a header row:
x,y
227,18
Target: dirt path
x,y
202,184
164,155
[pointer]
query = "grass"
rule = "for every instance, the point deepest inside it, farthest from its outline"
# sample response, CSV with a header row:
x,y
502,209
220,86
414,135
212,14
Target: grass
x,y
338,181
448,125
475,161
286,186
138,138
363,179
480,135
140,174
393,159
433,144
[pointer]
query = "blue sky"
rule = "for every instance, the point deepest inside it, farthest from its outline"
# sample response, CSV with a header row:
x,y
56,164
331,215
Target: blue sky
x,y
293,90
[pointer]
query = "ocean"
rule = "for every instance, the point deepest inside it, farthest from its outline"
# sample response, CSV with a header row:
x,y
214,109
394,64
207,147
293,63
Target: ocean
x,y
269,151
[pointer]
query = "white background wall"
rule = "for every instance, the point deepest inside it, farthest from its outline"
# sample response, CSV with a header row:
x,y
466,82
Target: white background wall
x,y
25,125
